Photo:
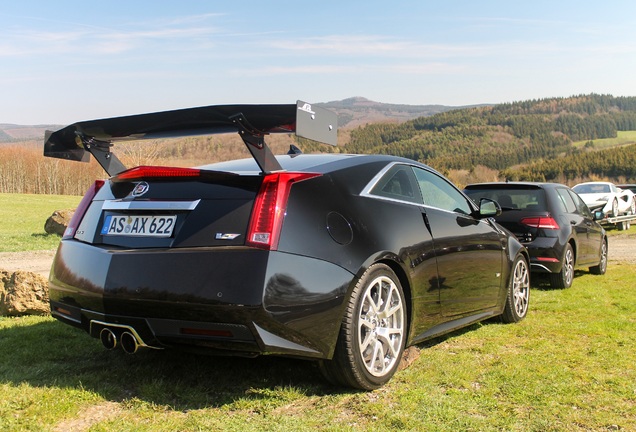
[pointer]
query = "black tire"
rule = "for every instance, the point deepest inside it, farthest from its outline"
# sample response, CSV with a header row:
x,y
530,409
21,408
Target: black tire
x,y
373,332
601,268
518,297
564,278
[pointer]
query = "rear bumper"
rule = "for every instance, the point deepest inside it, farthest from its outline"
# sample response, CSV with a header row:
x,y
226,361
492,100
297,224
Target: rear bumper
x,y
231,300
546,254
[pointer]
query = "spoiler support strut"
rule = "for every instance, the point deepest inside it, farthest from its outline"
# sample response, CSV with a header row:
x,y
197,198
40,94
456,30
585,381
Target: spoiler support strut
x,y
101,152
255,142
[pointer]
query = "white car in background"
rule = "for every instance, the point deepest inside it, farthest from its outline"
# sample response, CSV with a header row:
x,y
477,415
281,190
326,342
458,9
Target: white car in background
x,y
606,197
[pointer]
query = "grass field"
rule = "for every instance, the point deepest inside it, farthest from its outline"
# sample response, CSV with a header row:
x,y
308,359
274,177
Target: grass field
x,y
22,219
623,138
568,367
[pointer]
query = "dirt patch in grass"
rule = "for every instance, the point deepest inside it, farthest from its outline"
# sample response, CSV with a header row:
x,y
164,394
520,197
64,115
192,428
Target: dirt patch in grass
x,y
89,417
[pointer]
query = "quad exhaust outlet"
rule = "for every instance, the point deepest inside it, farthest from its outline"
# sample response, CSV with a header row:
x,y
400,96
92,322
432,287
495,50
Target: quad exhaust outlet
x,y
108,338
129,343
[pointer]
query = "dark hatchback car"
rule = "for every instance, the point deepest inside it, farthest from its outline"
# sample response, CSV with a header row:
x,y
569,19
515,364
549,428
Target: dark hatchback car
x,y
343,259
554,224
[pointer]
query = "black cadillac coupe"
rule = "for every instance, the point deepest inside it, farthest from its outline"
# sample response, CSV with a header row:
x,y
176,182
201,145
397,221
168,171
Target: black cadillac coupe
x,y
344,259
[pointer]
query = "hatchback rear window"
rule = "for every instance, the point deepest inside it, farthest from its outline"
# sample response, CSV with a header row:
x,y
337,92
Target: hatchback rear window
x,y
522,199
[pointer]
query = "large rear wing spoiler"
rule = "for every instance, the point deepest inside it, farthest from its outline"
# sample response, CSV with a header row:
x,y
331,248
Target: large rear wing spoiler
x,y
252,122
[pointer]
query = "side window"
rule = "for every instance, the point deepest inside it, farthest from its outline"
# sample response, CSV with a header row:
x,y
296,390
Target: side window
x,y
566,200
581,206
398,183
438,192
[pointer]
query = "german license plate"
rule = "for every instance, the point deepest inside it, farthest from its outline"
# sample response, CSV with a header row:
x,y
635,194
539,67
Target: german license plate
x,y
139,226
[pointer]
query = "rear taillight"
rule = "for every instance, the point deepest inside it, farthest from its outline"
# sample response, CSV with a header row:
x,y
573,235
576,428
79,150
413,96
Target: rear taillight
x,y
269,209
541,222
81,209
147,172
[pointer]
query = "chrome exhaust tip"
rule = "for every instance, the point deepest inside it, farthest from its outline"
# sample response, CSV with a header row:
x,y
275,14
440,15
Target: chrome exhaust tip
x,y
108,338
129,343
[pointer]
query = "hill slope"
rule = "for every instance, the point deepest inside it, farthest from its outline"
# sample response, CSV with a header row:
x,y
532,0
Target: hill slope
x,y
502,136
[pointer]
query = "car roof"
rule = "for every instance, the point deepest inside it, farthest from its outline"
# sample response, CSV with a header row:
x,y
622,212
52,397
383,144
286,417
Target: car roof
x,y
514,185
596,182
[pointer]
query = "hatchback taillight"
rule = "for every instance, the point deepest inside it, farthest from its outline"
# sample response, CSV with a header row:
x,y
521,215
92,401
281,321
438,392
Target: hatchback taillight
x,y
270,207
81,209
541,222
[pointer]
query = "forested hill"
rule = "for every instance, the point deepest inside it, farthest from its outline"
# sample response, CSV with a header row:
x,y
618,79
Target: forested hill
x,y
501,136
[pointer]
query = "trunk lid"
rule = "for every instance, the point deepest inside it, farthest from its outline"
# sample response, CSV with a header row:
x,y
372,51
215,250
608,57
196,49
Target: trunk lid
x,y
151,207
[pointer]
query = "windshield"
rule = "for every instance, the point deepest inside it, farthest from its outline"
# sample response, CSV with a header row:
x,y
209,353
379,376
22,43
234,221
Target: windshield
x,y
591,188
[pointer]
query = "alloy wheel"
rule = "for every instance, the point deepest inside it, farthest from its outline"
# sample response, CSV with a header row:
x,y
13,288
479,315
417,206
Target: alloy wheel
x,y
380,326
568,267
521,288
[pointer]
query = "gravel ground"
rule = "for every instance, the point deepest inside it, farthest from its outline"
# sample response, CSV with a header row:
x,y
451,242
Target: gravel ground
x,y
32,261
621,248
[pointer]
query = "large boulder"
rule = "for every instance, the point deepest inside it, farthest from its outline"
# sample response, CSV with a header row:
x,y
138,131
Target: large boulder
x,y
58,221
23,293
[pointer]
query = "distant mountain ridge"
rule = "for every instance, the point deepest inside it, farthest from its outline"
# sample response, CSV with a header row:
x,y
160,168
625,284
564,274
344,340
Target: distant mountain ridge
x,y
16,133
352,112
357,111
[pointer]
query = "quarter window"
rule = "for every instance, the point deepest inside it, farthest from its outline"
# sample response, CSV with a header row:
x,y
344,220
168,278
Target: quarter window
x,y
581,206
566,200
399,184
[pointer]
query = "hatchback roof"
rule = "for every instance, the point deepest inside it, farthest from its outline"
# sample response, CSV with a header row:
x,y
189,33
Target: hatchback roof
x,y
512,185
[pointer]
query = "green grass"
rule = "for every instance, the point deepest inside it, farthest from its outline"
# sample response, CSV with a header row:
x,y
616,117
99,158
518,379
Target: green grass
x,y
569,366
22,219
613,231
622,138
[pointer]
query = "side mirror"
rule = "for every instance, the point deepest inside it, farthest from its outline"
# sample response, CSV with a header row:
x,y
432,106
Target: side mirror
x,y
488,208
598,215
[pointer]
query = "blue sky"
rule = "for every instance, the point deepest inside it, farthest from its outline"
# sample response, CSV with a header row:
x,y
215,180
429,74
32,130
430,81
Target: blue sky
x,y
66,61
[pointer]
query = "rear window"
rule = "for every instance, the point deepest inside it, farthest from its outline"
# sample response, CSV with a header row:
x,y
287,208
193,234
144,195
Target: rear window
x,y
522,199
308,162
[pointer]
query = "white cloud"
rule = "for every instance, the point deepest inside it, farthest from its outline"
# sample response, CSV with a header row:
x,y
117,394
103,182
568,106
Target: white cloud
x,y
88,40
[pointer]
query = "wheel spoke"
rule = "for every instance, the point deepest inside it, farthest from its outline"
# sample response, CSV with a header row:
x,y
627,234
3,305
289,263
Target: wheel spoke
x,y
364,322
377,363
390,312
368,339
385,336
370,302
385,296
